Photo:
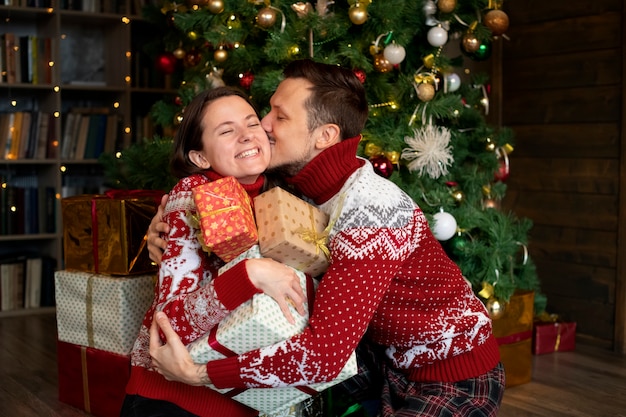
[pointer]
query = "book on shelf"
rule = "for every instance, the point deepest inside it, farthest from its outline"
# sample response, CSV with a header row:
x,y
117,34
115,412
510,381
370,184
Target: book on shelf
x,y
21,146
10,56
27,209
81,139
52,141
26,281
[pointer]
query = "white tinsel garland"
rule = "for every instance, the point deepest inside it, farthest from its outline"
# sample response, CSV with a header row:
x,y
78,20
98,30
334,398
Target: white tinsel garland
x,y
429,151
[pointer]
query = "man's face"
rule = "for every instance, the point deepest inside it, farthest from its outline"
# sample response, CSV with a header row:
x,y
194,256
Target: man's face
x,y
286,125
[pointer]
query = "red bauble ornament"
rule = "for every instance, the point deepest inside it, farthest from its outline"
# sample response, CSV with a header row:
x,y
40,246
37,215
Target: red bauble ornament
x,y
360,74
178,100
503,171
246,80
166,63
382,166
193,58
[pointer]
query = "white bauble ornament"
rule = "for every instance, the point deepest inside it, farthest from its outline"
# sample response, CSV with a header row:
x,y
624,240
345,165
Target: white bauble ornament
x,y
453,82
444,226
437,36
394,53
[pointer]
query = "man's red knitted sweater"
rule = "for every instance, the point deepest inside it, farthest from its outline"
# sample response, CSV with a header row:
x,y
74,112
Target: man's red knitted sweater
x,y
195,299
388,277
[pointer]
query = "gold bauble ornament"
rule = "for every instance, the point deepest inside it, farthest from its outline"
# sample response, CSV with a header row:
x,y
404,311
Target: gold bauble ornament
x,y
446,6
266,17
381,64
425,91
375,49
495,308
179,53
215,6
393,156
470,43
358,13
497,21
220,55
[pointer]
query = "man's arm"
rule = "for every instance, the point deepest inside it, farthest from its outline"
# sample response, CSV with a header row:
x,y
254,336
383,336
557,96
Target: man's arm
x,y
156,244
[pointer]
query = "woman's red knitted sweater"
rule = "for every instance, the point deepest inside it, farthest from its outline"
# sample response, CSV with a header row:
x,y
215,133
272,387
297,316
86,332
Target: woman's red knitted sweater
x,y
195,299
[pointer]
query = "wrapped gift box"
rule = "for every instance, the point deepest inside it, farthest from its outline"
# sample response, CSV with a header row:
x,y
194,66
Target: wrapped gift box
x,y
226,218
106,233
101,311
91,379
292,231
513,330
551,337
258,323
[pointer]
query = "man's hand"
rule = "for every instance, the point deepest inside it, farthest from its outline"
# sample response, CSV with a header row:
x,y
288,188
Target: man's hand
x,y
171,359
156,244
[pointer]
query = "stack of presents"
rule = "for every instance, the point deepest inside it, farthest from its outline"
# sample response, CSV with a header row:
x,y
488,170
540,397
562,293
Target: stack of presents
x,y
521,334
108,284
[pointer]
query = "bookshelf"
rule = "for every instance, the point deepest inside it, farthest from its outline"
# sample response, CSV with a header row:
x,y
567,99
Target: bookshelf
x,y
74,83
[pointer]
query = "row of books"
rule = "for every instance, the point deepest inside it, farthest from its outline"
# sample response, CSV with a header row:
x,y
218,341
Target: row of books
x,y
28,135
27,3
26,282
87,133
27,210
25,59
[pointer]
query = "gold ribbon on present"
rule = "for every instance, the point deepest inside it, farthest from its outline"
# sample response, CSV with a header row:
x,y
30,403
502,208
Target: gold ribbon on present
x,y
311,236
194,221
89,311
83,360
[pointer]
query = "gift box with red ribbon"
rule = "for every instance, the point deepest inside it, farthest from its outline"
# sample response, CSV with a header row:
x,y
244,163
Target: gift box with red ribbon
x,y
225,218
105,233
258,323
92,380
513,331
292,231
553,336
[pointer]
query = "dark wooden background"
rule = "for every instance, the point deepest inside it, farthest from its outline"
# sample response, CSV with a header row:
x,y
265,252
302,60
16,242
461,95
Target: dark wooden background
x,y
562,93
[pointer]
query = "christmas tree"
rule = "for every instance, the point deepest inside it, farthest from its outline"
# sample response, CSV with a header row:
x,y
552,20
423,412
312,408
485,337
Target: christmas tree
x,y
427,128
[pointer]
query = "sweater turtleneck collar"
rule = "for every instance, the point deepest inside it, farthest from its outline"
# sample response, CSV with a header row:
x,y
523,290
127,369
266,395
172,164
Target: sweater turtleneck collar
x,y
324,176
253,189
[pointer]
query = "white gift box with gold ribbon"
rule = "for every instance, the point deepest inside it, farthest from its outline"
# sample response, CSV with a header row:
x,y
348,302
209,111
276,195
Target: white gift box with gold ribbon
x,y
292,231
259,323
101,311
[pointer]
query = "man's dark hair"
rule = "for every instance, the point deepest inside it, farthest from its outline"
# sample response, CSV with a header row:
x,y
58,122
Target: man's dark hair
x,y
337,96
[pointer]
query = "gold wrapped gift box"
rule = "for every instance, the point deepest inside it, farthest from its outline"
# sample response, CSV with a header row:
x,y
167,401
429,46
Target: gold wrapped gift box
x,y
105,233
292,231
514,331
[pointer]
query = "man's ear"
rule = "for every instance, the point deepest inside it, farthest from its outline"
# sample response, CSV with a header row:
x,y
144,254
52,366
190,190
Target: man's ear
x,y
199,160
328,135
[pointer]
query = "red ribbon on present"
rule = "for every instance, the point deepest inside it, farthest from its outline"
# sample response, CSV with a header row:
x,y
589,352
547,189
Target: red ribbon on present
x,y
117,195
217,346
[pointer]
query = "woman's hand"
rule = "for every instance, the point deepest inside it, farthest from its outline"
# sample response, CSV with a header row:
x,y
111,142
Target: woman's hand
x,y
156,244
171,359
279,282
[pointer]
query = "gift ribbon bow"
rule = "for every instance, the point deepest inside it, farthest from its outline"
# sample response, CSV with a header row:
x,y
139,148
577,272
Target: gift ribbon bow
x,y
311,236
218,347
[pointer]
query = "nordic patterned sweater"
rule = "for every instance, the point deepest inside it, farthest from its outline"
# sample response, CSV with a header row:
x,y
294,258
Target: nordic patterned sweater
x,y
195,299
388,278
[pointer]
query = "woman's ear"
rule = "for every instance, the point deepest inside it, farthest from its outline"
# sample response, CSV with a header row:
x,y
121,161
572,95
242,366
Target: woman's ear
x,y
328,135
199,160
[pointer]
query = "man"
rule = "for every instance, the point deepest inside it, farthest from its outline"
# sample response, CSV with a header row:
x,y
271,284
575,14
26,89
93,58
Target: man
x,y
389,279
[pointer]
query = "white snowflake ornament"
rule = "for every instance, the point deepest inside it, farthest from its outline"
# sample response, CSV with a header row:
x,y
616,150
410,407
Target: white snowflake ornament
x,y
429,151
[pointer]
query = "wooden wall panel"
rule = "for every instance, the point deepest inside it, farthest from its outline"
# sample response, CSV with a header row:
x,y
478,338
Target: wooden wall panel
x,y
563,96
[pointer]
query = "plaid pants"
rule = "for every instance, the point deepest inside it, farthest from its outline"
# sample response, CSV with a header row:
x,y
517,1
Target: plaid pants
x,y
378,390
